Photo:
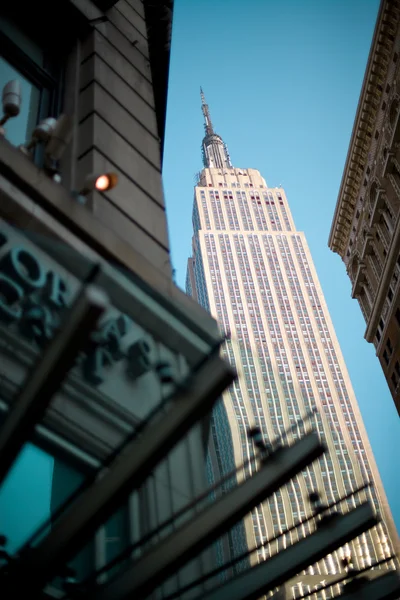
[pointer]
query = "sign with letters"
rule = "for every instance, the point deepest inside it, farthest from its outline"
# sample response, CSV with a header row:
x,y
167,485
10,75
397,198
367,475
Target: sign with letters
x,y
33,301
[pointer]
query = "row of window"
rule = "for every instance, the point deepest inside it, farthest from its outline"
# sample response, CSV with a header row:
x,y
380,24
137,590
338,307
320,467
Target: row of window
x,y
247,318
226,210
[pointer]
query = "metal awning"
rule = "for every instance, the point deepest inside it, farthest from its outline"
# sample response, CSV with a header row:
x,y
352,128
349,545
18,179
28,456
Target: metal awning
x,y
173,552
330,535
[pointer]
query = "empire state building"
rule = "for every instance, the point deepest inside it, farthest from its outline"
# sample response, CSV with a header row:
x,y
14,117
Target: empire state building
x,y
253,271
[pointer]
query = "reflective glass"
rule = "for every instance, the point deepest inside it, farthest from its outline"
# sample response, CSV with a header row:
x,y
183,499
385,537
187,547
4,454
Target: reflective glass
x,y
34,488
30,479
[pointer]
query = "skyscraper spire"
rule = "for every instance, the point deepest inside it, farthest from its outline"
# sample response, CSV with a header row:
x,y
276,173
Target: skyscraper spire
x,y
208,126
215,152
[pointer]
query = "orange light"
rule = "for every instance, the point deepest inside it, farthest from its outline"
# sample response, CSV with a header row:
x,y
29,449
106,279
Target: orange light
x,y
102,183
105,181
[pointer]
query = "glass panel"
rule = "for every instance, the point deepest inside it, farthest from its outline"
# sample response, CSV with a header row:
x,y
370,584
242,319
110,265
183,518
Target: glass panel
x,y
117,537
64,482
30,477
47,482
19,129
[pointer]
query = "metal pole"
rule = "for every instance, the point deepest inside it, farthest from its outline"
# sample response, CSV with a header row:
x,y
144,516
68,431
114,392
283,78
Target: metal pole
x,y
386,587
209,574
48,374
174,551
277,570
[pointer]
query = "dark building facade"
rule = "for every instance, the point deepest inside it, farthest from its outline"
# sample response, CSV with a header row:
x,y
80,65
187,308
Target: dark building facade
x,y
104,66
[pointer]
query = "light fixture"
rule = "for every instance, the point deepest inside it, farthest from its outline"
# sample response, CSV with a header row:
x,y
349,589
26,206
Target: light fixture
x,y
101,182
41,135
95,181
11,102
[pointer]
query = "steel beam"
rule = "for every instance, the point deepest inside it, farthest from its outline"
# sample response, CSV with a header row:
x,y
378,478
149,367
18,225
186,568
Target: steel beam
x,y
385,587
277,570
176,550
125,474
48,374
105,5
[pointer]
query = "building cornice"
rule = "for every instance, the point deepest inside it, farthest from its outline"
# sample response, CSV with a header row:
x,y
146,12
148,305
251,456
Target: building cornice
x,y
364,124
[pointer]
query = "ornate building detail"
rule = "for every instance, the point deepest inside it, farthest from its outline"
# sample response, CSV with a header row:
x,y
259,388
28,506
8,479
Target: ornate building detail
x,y
373,168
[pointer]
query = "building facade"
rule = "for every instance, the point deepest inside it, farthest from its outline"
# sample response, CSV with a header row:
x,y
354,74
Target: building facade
x,y
253,271
105,66
366,229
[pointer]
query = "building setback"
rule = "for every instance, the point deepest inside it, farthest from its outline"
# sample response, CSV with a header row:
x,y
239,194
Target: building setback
x,y
253,271
366,227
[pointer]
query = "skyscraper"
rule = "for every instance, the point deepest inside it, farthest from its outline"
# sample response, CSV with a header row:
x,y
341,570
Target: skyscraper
x,y
253,271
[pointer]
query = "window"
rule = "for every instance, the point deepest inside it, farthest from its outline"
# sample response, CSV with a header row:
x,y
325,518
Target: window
x,y
386,357
38,71
397,368
48,482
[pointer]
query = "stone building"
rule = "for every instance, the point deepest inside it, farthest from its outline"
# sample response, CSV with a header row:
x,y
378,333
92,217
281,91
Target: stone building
x,y
366,225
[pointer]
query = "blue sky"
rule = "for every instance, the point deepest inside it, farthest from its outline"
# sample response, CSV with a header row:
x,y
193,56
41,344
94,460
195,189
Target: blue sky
x,y
282,80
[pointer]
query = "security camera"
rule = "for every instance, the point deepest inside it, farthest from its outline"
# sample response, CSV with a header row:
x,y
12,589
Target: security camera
x,y
41,134
59,138
11,102
101,182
